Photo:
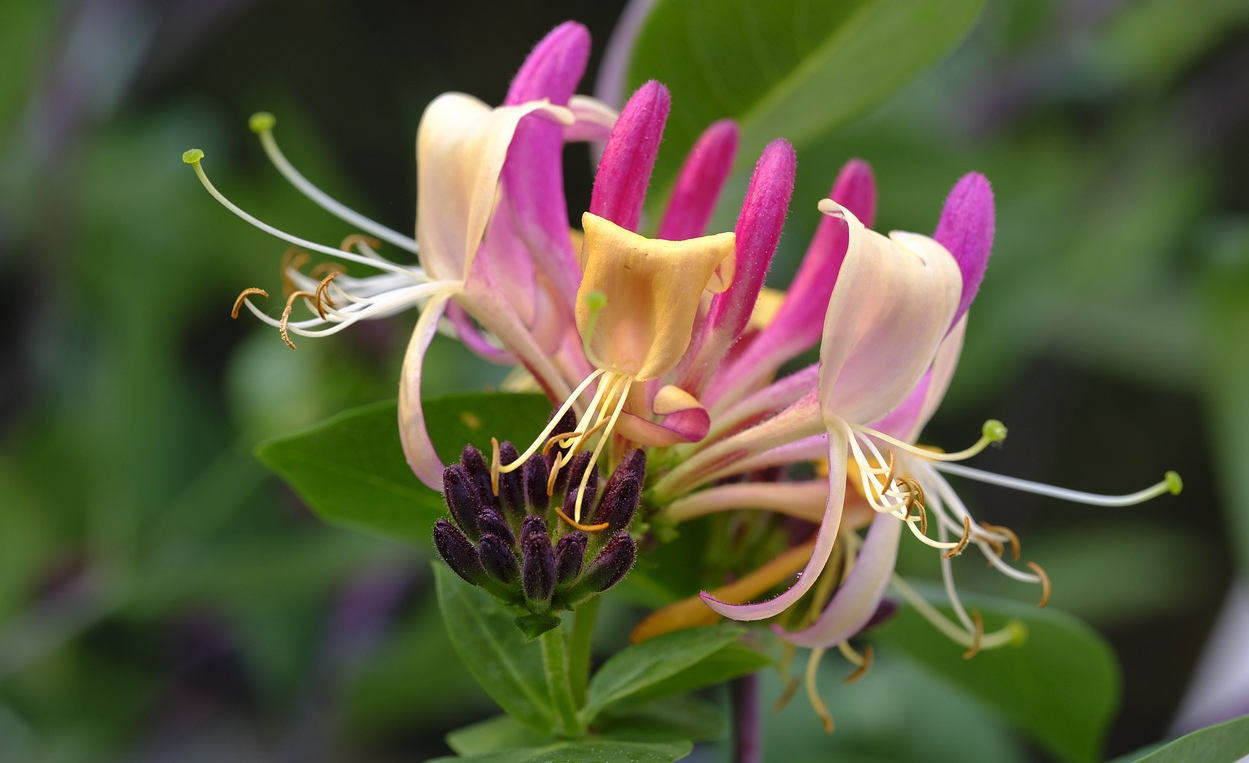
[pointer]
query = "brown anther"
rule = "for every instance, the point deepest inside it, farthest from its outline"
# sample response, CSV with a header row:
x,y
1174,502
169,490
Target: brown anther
x,y
292,259
327,267
494,465
578,525
1010,535
862,669
923,518
893,465
994,544
321,294
1045,582
962,542
977,636
242,297
286,316
791,688
358,239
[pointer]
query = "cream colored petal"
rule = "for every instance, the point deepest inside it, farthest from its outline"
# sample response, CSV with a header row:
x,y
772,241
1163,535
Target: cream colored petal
x,y
653,289
889,311
461,145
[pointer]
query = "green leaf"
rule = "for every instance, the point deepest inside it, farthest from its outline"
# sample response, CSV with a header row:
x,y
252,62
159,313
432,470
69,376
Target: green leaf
x,y
676,719
588,751
351,470
1061,686
1228,741
731,661
484,634
785,68
644,665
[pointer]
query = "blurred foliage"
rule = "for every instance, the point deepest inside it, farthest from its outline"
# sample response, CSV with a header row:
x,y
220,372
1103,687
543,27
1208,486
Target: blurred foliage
x,y
163,598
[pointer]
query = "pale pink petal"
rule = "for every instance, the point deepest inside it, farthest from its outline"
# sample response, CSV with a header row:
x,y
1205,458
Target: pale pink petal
x,y
417,446
683,427
859,595
890,309
461,147
762,402
804,500
592,119
700,181
472,337
825,537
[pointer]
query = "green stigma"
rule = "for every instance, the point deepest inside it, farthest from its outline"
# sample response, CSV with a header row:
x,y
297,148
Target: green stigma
x,y
261,121
192,156
1018,632
1173,482
994,431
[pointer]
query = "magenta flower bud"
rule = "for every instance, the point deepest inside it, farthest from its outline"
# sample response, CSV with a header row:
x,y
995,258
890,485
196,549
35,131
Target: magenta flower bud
x,y
799,322
758,232
625,169
554,67
498,559
511,484
570,556
461,498
699,183
537,567
490,522
966,230
458,552
611,565
623,492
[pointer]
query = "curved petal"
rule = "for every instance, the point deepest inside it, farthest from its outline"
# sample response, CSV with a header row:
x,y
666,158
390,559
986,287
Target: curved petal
x,y
889,311
417,446
461,145
824,540
859,595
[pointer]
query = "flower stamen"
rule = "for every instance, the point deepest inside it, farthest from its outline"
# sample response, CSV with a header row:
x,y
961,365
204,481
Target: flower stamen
x,y
977,636
1045,582
1010,535
862,661
813,693
962,543
242,297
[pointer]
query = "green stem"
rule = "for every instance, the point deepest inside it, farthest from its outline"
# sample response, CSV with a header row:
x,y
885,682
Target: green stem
x,y
579,651
555,659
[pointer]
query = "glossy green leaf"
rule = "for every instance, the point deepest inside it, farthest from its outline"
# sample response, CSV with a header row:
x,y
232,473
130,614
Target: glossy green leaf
x,y
484,634
730,661
785,68
588,751
1061,686
1223,743
644,665
352,472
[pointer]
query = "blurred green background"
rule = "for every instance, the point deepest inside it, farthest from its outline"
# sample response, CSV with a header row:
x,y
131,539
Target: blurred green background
x,y
162,598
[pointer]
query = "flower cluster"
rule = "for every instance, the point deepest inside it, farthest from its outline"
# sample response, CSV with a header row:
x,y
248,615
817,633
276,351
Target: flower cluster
x,y
672,346
503,536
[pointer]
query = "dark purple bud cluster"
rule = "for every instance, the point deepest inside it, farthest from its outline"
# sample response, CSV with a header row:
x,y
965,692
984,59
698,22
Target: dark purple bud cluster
x,y
513,544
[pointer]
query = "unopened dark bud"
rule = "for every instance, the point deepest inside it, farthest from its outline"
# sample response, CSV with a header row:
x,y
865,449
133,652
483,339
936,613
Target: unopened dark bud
x,y
535,474
570,556
611,564
885,611
458,552
622,492
498,559
576,470
538,567
511,484
479,472
491,523
533,525
461,498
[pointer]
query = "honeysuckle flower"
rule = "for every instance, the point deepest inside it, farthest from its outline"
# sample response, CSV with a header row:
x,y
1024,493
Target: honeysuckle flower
x,y
497,267
891,337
